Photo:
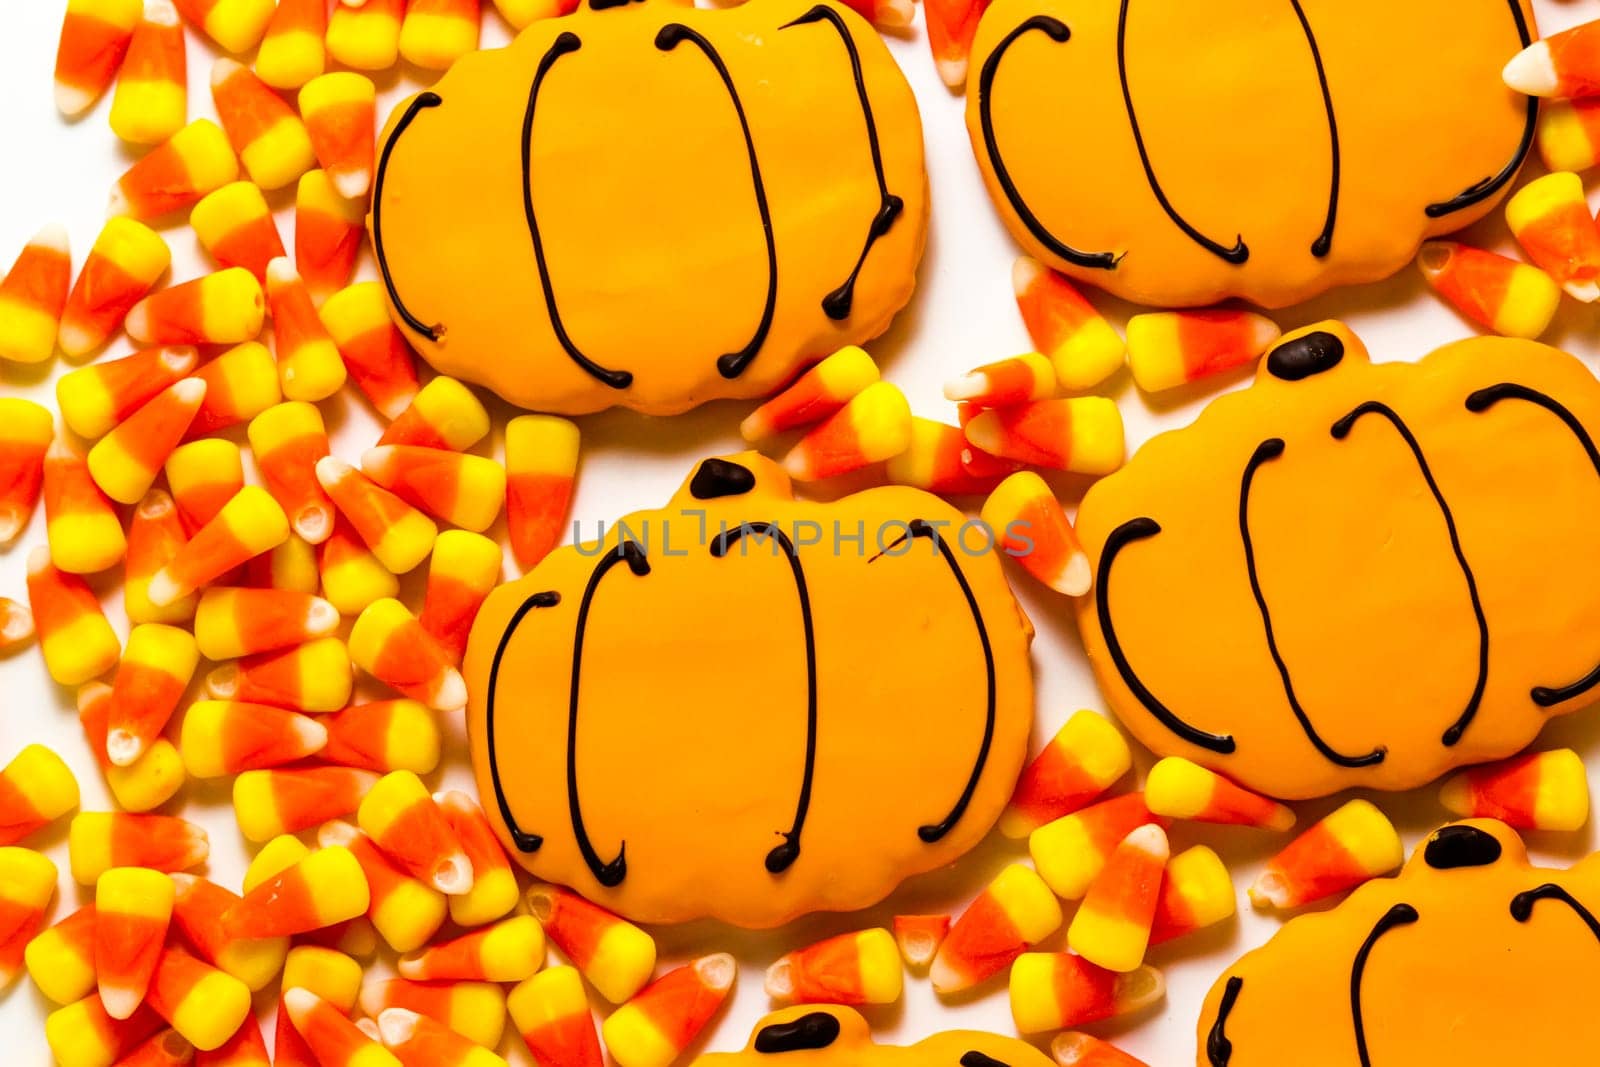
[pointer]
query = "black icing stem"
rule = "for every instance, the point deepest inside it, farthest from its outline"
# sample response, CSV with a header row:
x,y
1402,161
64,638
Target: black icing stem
x,y
524,841
1395,917
420,103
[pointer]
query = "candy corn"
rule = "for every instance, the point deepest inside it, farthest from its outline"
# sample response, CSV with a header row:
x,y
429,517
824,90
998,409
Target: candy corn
x,y
656,1026
156,669
234,224
33,295
60,960
77,641
240,622
1569,134
195,161
246,1048
83,1035
27,882
124,264
94,38
314,677
225,737
152,97
197,913
1081,346
1015,911
541,466
1551,221
444,414
919,937
933,461
1080,434
125,462
240,384
309,364
509,951
1183,790
271,141
292,52
1500,294
16,625
328,973
398,534
1111,927
436,33
101,840
154,537
94,399
1349,847
856,968
248,525
1086,1050
235,25
84,532
163,1050
523,13
1083,760
292,567
1171,348
464,569
874,426
406,912
1018,380
328,231
383,736
204,1004
551,1012
390,644
365,34
1565,64
616,956
1196,892
340,113
404,821
475,1010
951,26
333,1039
374,352
1029,525
36,789
325,888
1070,852
224,308
1056,990
133,908
458,488
203,476
285,801
146,783
418,1041
814,396
1536,791
26,431
494,887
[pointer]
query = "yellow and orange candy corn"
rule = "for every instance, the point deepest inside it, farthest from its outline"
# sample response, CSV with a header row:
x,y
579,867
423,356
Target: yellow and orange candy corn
x,y
60,959
522,13
269,138
1167,349
133,908
204,1004
234,224
475,1010
240,384
1569,134
147,782
329,973
1537,791
463,571
292,52
383,736
328,231
418,1041
248,525
16,625
94,399
154,537
1079,434
32,297
1029,525
246,1048
1081,345
340,113
232,622
1057,990
101,840
329,1034
398,534
84,532
77,641
288,440
1551,221
27,884
314,677
81,1034
124,264
26,430
951,27
614,955
195,161
406,913
1196,892
203,476
277,801
1350,846
156,668
1564,65
1085,1050
855,968
874,426
494,889
1082,761
656,1026
404,822
919,937
36,788
365,34
151,101
1180,789
551,1012
197,913
235,25
1070,852
226,737
1500,294
933,461
390,644
1018,380
1015,911
292,567
541,467
444,414
374,352
509,951
814,396
456,487
1111,927
125,462
309,364
436,33
166,1049
94,39
224,308
324,888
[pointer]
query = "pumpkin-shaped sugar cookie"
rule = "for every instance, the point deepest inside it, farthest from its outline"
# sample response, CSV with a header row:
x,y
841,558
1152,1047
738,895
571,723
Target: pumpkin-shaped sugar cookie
x,y
1176,153
750,707
647,205
1355,574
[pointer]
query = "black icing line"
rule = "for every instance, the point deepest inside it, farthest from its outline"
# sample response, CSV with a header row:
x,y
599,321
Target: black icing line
x,y
1219,1050
1522,905
1324,242
814,1030
524,841
1266,452
974,1058
1483,400
1340,431
420,103
1397,916
836,305
1057,31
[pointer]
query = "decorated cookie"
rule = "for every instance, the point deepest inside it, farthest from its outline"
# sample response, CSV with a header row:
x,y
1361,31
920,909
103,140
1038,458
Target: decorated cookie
x,y
826,1036
1355,574
1177,153
751,707
652,206
1470,957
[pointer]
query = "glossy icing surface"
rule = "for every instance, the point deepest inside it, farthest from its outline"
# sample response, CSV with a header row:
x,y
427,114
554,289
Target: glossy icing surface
x,y
652,206
815,1035
1469,957
845,713
1355,574
1177,154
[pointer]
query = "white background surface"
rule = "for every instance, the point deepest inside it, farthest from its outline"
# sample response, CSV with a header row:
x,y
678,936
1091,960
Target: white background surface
x,y
963,315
